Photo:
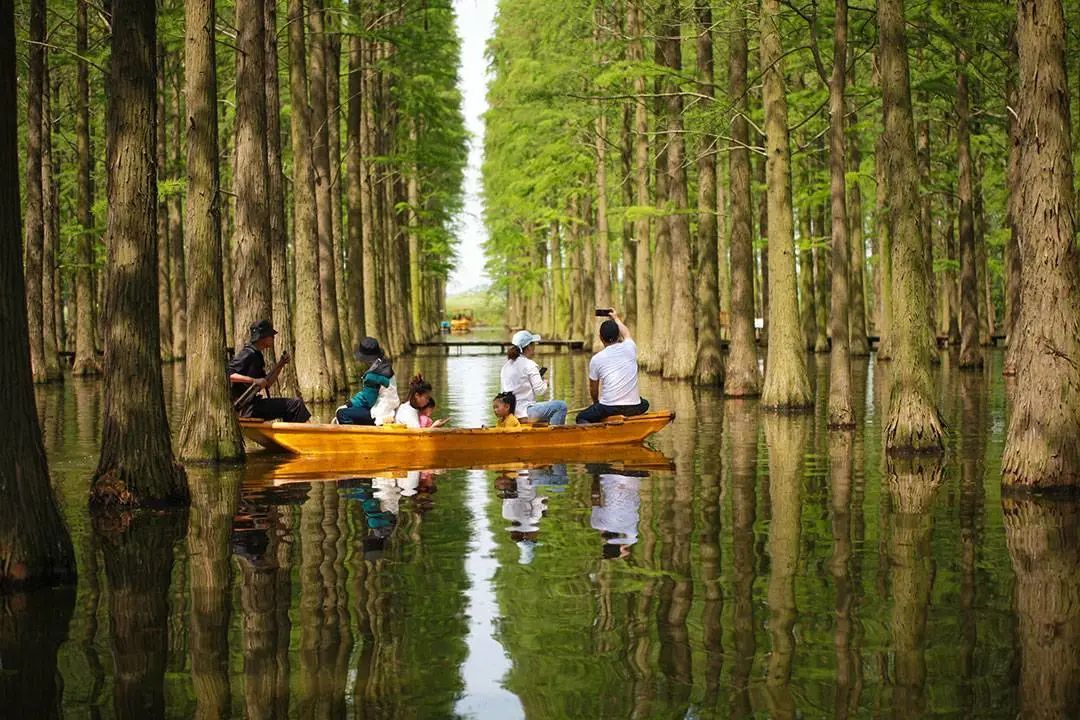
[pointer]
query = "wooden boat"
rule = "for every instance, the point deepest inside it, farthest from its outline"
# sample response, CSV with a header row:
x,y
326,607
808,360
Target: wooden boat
x,y
276,470
431,446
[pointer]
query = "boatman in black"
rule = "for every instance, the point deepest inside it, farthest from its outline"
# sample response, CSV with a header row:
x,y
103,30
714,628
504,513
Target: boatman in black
x,y
248,367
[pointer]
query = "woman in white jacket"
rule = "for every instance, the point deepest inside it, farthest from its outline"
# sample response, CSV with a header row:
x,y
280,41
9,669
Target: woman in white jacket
x,y
523,377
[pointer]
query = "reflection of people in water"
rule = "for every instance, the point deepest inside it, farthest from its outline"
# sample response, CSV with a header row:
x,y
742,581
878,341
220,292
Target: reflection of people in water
x,y
523,507
552,477
616,498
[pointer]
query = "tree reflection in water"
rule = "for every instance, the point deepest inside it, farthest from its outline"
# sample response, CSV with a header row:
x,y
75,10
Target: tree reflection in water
x,y
741,422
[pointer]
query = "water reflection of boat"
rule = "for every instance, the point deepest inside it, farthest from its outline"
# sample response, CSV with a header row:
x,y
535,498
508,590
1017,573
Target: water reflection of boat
x,y
336,467
428,447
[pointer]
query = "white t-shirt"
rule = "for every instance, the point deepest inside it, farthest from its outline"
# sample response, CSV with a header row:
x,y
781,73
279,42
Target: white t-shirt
x,y
408,416
616,368
522,377
618,512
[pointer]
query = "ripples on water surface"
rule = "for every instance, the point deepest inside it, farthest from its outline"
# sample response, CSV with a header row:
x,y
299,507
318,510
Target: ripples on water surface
x,y
777,571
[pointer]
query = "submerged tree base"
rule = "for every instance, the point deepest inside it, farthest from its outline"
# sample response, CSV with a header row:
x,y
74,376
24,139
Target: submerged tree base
x,y
115,488
914,427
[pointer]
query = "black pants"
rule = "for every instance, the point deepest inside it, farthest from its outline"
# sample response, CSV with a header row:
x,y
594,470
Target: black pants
x,y
354,415
287,409
596,412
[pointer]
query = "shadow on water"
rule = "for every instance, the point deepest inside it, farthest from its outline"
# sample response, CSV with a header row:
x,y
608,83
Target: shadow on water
x,y
773,569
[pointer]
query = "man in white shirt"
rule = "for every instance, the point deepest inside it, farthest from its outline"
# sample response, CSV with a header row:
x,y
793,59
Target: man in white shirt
x,y
613,375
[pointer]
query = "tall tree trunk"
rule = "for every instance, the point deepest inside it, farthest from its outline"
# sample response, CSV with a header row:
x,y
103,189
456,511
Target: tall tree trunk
x,y
914,424
950,326
316,383
860,345
50,226
763,240
1040,447
333,110
35,548
986,302
374,321
629,244
177,264
883,211
662,292
35,222
970,352
643,254
324,195
208,431
164,303
841,412
926,222
807,302
354,248
276,225
821,282
602,278
710,365
136,466
1013,261
680,359
741,377
787,386
252,290
85,356
416,285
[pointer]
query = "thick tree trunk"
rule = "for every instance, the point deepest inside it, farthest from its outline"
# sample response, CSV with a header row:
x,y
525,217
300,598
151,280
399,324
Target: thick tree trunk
x,y
1040,447
841,412
807,309
1013,262
680,359
277,228
914,424
710,364
251,290
85,356
763,240
177,263
50,226
209,431
787,386
316,383
164,302
324,196
970,353
741,377
35,548
136,467
354,248
860,346
643,254
35,222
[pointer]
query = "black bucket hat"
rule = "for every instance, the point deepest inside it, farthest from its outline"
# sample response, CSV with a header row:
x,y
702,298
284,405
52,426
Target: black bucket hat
x,y
369,350
261,329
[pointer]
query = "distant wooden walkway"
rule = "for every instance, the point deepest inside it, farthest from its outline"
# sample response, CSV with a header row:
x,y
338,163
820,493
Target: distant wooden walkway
x,y
484,347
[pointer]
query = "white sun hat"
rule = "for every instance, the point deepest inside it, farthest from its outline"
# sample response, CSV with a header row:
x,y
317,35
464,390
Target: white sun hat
x,y
523,339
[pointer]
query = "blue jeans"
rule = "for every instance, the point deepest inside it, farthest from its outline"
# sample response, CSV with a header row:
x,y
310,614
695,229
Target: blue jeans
x,y
553,412
354,415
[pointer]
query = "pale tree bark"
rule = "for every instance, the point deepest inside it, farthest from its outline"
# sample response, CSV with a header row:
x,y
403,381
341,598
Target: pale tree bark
x,y
35,220
841,412
710,365
643,249
860,346
1040,447
807,303
312,374
416,288
209,431
741,377
787,385
602,276
629,244
681,357
136,466
50,226
35,548
251,289
970,353
85,356
164,301
324,197
1042,536
914,424
277,227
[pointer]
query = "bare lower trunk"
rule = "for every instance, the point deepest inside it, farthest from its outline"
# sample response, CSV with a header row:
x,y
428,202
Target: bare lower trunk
x,y
315,381
136,466
1040,447
821,284
643,255
333,121
883,224
251,289
807,310
602,283
742,378
85,356
629,244
860,346
354,248
841,412
164,301
662,292
914,424
208,432
787,386
177,265
970,354
35,548
35,227
950,326
1013,262
50,221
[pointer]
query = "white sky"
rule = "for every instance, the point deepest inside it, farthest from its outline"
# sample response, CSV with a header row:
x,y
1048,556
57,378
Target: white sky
x,y
475,22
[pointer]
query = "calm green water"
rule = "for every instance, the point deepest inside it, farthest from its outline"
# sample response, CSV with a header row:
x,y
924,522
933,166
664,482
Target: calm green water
x,y
775,571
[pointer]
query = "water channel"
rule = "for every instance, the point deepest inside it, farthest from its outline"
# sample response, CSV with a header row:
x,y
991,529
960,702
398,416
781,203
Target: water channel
x,y
773,570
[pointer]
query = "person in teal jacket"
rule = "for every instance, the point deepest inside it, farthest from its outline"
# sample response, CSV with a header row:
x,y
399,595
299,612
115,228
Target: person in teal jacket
x,y
358,410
